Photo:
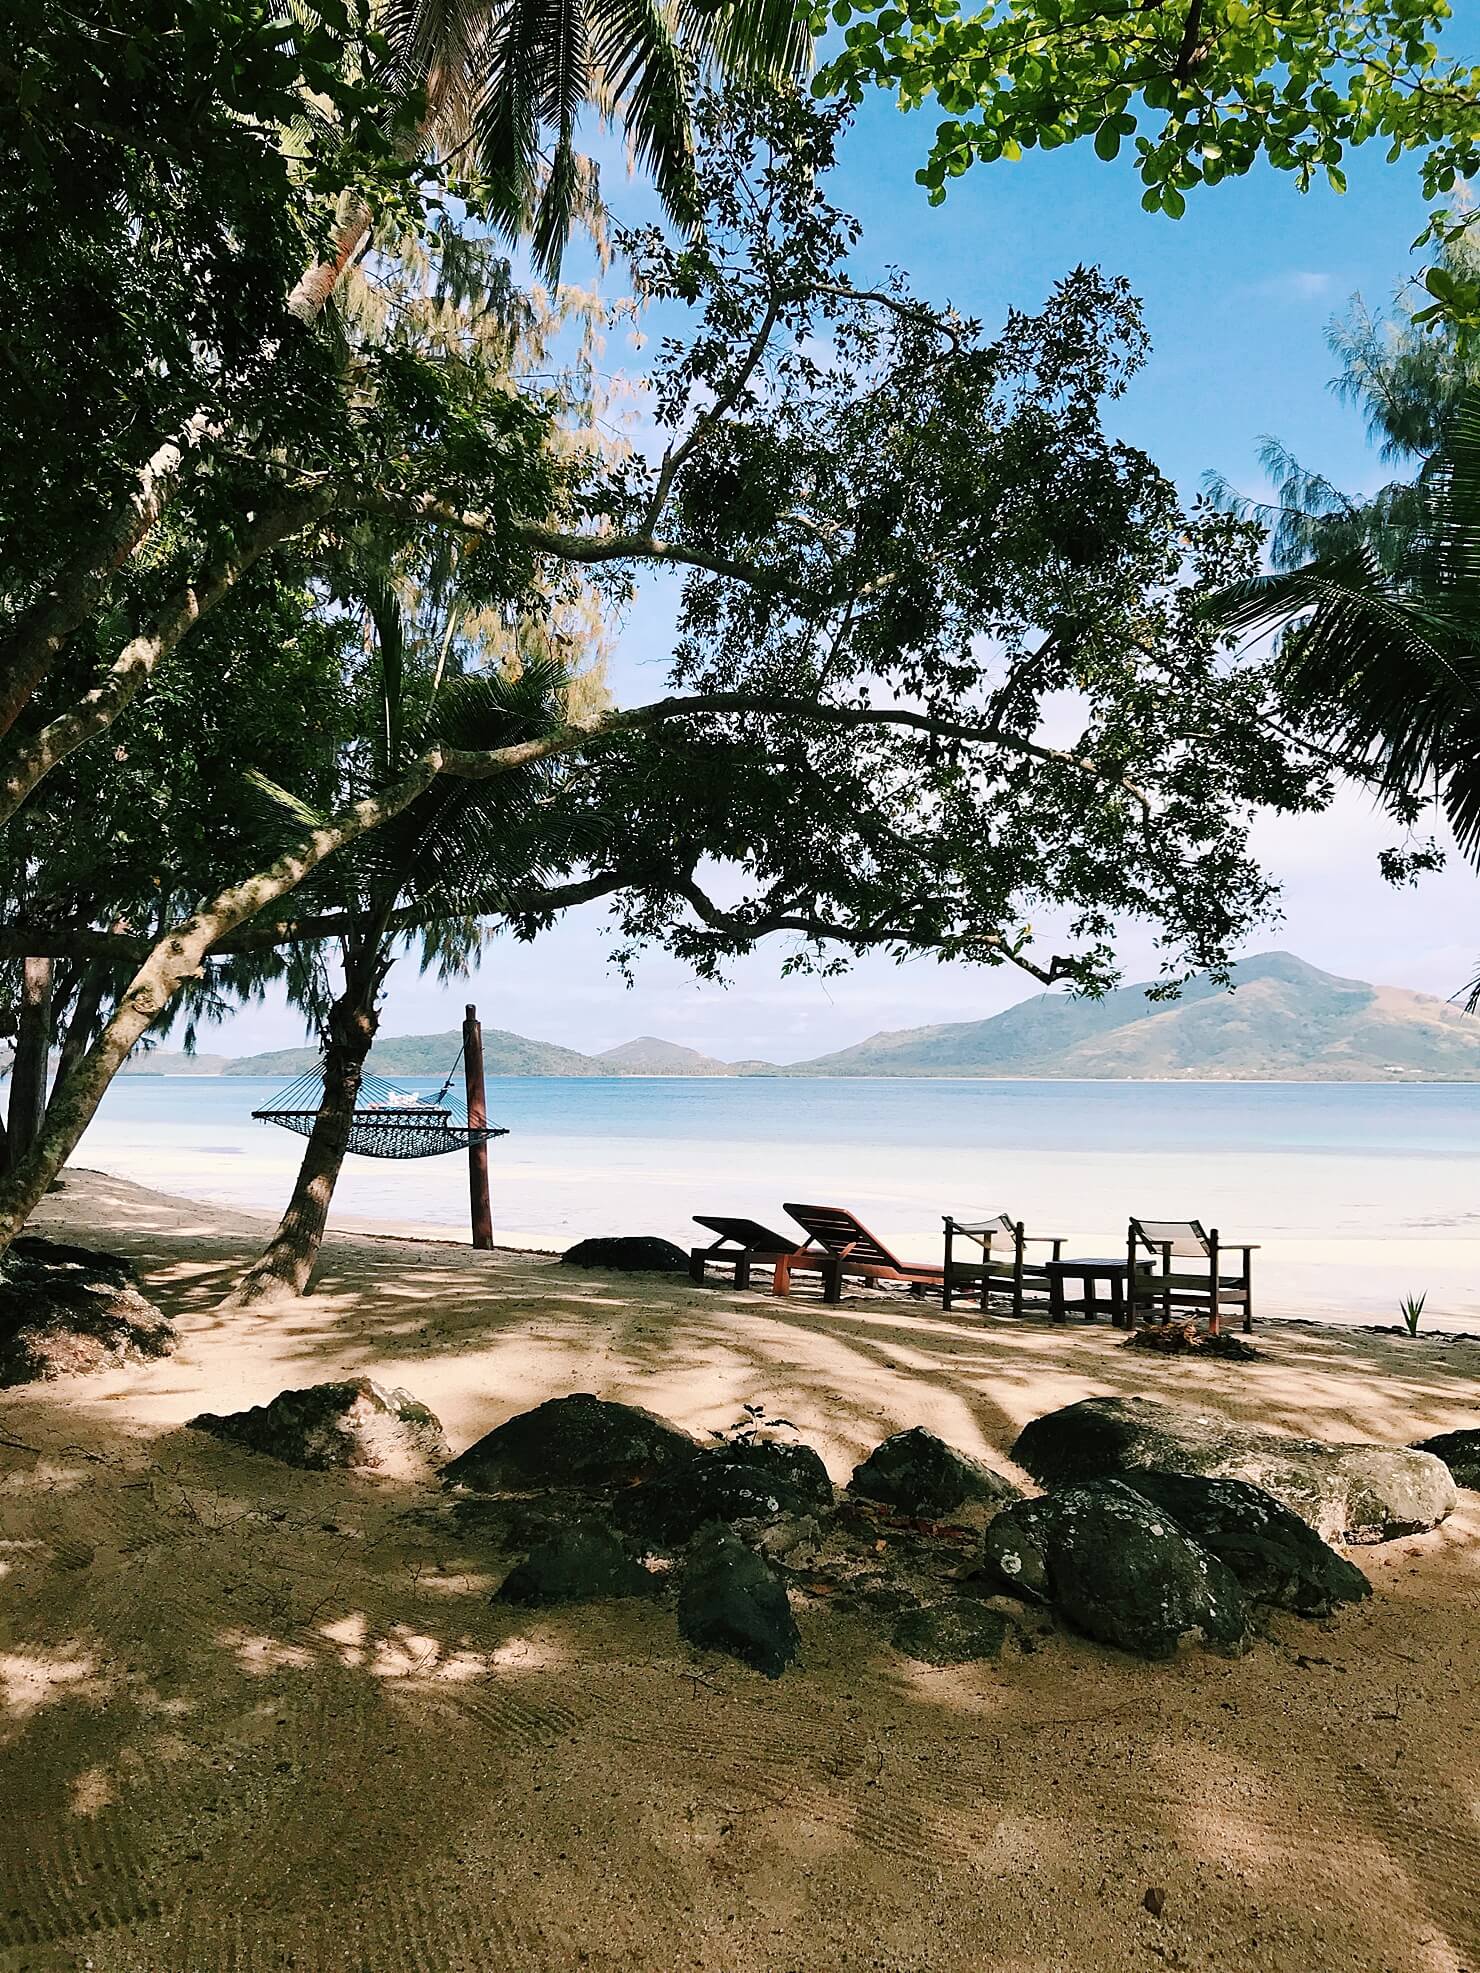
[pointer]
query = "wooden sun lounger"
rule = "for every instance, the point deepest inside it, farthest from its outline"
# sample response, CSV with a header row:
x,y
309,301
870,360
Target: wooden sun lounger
x,y
742,1245
1203,1285
839,1244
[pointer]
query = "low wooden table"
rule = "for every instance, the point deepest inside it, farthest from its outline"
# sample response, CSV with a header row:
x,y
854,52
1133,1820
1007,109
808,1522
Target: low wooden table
x,y
1089,1273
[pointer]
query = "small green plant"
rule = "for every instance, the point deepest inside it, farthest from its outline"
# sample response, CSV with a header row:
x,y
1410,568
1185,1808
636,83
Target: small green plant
x,y
1411,1308
747,1430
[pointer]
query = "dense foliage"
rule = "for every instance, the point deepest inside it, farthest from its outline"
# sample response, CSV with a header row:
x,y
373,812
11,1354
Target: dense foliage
x,y
1194,92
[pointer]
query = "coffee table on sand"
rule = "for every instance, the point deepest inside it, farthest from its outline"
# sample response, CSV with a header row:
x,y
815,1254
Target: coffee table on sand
x,y
1089,1273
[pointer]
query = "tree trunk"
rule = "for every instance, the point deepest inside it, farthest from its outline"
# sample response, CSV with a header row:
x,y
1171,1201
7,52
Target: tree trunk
x,y
90,989
318,282
32,1047
288,1262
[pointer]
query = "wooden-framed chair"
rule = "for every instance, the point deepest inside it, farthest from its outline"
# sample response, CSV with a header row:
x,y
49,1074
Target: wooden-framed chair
x,y
1201,1282
1003,1267
838,1244
742,1245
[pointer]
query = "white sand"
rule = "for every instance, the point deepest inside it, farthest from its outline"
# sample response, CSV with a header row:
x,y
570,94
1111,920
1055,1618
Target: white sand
x,y
257,1719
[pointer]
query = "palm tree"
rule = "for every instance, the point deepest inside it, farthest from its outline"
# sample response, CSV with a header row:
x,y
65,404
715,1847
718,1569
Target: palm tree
x,y
1379,661
502,86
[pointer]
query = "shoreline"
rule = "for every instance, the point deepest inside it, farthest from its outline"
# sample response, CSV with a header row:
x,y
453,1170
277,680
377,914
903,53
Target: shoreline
x,y
784,1074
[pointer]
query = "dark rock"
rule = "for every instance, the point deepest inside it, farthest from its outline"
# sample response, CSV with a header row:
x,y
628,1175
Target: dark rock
x,y
1119,1569
1460,1452
1345,1492
1016,1549
92,1263
951,1633
640,1253
353,1424
577,1564
580,1441
764,1481
68,1309
1277,1557
920,1474
730,1600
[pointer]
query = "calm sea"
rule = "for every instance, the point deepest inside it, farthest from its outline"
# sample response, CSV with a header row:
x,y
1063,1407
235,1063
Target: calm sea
x,y
1358,1194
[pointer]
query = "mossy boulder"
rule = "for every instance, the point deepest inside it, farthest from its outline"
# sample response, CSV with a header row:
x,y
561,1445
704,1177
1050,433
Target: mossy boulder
x,y
576,1441
764,1481
1460,1452
954,1633
919,1474
641,1253
580,1563
1346,1492
1277,1557
352,1424
1119,1569
68,1310
731,1600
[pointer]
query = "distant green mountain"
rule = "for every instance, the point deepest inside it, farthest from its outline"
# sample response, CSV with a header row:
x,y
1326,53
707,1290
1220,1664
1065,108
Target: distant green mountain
x,y
504,1054
648,1056
1286,1021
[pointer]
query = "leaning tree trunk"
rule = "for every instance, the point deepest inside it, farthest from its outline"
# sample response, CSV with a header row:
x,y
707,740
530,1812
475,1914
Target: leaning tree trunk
x,y
287,1263
32,1047
84,1017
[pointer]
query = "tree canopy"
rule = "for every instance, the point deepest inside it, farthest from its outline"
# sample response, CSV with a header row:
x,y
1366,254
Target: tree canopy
x,y
944,659
1191,91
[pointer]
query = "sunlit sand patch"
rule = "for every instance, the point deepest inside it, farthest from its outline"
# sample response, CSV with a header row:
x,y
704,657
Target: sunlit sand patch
x,y
258,1655
28,1682
91,1791
529,1654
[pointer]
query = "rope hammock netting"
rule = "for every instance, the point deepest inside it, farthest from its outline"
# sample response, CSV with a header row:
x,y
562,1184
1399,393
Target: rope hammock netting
x,y
388,1122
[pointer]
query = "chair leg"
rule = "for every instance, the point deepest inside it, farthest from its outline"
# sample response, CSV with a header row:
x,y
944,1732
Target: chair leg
x,y
832,1281
781,1279
742,1271
696,1266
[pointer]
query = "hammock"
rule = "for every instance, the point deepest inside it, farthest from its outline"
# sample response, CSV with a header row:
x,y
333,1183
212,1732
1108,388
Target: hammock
x,y
388,1122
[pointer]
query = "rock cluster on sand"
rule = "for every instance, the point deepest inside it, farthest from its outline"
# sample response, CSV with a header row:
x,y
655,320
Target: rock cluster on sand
x,y
641,1253
68,1309
920,1474
1146,1559
1351,1493
351,1424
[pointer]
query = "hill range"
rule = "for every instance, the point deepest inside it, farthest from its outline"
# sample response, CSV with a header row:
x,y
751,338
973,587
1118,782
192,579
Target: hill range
x,y
1287,1021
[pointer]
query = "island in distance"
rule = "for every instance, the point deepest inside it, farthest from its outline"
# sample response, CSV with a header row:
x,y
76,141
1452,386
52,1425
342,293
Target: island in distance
x,y
1287,1021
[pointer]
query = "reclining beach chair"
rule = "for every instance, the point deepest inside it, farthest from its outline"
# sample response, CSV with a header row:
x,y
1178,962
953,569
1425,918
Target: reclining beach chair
x,y
1004,1268
1201,1283
839,1244
742,1245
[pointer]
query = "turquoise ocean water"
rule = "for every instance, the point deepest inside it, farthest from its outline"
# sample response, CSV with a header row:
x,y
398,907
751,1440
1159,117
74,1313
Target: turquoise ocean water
x,y
1357,1193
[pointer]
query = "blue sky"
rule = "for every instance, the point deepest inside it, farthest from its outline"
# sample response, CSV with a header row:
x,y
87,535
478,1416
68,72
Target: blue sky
x,y
1237,296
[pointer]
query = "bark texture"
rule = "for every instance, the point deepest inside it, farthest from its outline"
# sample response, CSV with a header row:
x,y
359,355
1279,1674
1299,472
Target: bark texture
x,y
32,1045
287,1263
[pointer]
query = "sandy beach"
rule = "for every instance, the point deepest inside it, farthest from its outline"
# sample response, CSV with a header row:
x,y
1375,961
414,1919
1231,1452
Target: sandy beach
x,y
256,1718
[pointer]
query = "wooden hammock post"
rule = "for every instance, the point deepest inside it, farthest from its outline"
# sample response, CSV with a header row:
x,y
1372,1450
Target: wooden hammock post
x,y
482,1215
